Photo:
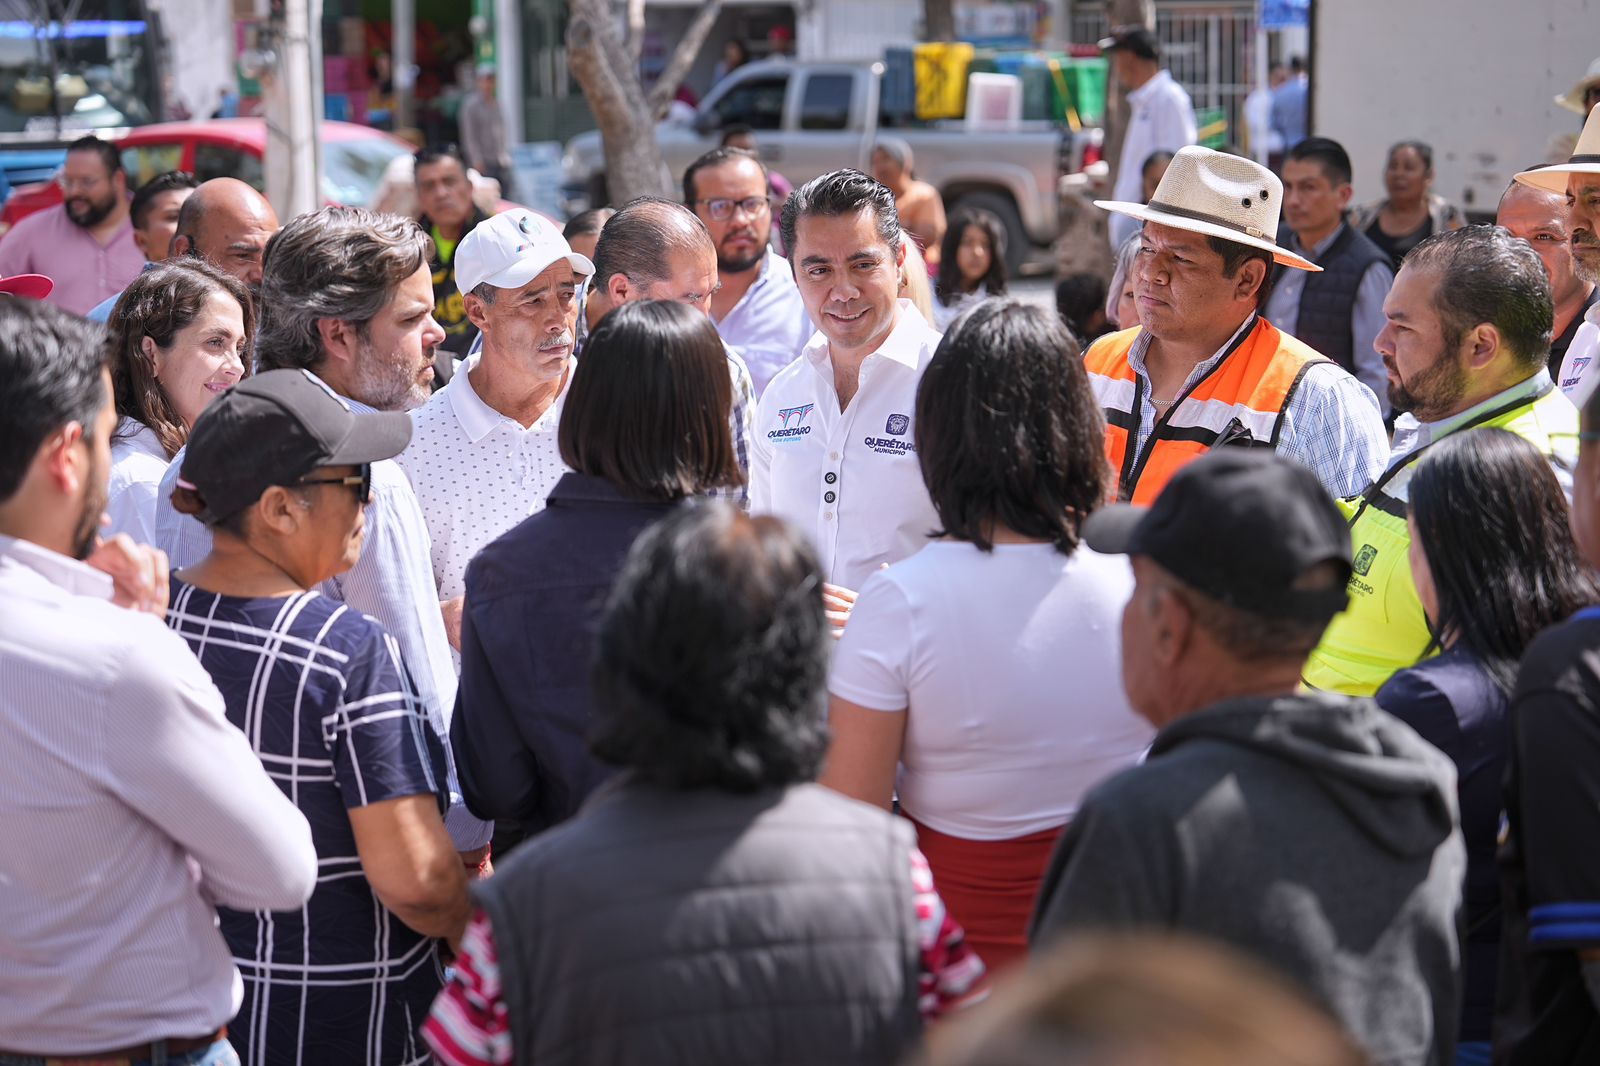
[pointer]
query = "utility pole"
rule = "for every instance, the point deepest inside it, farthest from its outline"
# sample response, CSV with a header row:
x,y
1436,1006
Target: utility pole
x,y
290,54
404,50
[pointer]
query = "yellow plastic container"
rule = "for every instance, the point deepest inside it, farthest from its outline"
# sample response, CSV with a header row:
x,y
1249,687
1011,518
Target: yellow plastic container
x,y
942,79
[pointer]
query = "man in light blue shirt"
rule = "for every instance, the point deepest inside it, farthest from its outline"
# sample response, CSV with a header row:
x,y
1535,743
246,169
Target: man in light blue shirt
x,y
757,307
1289,105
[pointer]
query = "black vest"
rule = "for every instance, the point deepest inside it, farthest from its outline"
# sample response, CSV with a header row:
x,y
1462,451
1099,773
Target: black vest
x,y
1329,297
702,928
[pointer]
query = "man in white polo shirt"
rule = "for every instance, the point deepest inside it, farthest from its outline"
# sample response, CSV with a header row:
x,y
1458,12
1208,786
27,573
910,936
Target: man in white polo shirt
x,y
483,453
832,445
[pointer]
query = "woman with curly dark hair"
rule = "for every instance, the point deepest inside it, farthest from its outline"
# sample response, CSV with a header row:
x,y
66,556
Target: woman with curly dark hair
x,y
180,337
1494,562
972,265
979,678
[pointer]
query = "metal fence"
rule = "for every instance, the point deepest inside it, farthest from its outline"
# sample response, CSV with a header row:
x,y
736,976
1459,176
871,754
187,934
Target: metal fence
x,y
1209,47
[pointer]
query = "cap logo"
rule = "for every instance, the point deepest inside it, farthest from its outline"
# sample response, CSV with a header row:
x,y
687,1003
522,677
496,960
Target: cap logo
x,y
1364,559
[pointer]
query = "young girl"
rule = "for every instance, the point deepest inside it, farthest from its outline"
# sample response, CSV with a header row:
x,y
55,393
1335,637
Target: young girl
x,y
974,265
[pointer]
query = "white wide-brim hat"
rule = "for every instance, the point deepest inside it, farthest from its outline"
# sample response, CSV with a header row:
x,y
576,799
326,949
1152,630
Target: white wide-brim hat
x,y
1585,160
1572,99
1219,195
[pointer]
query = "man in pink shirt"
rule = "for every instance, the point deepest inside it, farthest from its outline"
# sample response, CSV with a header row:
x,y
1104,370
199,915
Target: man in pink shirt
x,y
86,244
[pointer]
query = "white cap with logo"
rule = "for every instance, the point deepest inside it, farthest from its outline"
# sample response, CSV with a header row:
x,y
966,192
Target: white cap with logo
x,y
511,249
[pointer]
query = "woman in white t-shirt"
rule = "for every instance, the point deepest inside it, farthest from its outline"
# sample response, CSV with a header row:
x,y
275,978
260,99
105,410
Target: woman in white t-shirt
x,y
180,337
980,679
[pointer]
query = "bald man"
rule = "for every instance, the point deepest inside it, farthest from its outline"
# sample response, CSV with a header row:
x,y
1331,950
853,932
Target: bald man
x,y
919,205
227,223
1539,217
656,249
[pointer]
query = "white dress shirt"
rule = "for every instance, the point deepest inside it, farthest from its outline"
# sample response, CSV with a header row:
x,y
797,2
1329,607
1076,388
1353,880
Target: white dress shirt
x,y
1577,366
1160,119
129,807
769,325
849,479
392,582
1366,314
476,472
138,462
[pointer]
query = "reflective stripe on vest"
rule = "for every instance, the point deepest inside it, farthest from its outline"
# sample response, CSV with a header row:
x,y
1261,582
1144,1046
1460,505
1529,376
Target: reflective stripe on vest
x,y
1240,401
1384,629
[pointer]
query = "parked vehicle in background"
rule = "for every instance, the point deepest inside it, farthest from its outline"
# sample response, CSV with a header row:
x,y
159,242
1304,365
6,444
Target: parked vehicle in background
x,y
353,159
810,118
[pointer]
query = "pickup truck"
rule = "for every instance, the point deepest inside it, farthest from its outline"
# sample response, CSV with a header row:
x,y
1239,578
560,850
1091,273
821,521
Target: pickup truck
x,y
810,118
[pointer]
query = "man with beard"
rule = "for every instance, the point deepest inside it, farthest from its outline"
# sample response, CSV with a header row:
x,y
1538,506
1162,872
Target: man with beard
x,y
1465,344
757,307
346,296
1579,180
122,772
86,244
484,455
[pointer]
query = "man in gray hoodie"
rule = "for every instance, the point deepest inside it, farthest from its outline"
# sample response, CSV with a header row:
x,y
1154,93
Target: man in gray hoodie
x,y
1311,830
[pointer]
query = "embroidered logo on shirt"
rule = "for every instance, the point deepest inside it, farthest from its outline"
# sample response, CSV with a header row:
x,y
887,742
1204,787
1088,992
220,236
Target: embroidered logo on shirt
x,y
791,423
897,425
1364,559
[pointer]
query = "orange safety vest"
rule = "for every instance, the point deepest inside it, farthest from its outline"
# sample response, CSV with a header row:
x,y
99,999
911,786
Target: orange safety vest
x,y
1240,401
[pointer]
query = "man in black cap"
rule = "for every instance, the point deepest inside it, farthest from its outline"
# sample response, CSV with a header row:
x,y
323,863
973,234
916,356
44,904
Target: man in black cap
x,y
1311,830
1160,115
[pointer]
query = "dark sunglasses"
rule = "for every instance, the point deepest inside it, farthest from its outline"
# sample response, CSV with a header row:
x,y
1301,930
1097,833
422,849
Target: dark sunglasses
x,y
361,481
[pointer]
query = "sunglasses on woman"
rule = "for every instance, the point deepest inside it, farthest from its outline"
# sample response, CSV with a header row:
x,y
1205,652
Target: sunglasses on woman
x,y
361,481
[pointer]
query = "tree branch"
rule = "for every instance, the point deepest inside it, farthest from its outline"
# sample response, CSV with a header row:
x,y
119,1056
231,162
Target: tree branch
x,y
683,56
635,30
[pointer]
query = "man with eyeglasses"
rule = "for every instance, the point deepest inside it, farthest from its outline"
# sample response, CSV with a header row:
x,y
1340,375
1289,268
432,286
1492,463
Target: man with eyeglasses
x,y
86,244
757,308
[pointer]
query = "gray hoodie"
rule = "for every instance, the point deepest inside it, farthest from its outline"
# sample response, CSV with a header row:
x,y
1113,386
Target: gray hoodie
x,y
1314,832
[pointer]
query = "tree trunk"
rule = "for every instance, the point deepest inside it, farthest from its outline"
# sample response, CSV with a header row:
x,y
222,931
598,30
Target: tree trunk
x,y
683,57
1122,13
938,20
635,30
611,86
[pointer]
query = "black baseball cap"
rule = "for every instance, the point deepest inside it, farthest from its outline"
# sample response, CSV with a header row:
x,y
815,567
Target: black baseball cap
x,y
273,429
1240,525
1136,39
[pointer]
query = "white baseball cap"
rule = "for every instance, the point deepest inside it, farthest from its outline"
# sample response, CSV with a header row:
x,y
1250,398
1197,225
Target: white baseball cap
x,y
511,249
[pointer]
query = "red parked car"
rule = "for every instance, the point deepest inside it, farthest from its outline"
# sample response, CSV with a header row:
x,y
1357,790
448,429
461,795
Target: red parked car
x,y
353,159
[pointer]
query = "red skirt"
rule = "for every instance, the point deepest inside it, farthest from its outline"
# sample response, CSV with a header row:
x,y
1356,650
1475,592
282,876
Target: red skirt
x,y
989,887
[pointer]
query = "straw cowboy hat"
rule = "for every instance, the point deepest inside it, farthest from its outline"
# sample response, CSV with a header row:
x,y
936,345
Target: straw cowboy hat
x,y
1219,195
1585,160
1572,99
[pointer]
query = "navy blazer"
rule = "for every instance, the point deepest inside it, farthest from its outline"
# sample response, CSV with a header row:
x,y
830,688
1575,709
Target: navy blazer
x,y
533,600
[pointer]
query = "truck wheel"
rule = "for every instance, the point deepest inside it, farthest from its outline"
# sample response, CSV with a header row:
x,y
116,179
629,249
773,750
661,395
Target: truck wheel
x,y
1001,206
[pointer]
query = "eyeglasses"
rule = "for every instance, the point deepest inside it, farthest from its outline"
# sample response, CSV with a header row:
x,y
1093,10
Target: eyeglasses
x,y
721,210
361,481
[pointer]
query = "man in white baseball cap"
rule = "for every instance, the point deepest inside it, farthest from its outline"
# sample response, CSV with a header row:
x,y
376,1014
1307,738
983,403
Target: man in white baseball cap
x,y
483,455
1579,180
1203,369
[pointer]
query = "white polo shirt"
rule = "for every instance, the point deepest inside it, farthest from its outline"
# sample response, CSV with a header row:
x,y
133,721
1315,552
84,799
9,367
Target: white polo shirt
x,y
1578,374
849,479
476,472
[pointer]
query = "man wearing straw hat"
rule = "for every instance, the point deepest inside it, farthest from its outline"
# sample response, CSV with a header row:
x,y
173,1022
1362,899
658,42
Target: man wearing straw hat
x,y
1579,179
1204,369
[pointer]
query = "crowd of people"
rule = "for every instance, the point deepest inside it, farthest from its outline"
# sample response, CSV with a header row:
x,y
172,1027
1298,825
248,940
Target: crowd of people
x,y
472,640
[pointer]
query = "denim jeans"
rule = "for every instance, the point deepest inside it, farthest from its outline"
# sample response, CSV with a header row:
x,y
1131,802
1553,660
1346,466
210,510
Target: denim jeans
x,y
219,1054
